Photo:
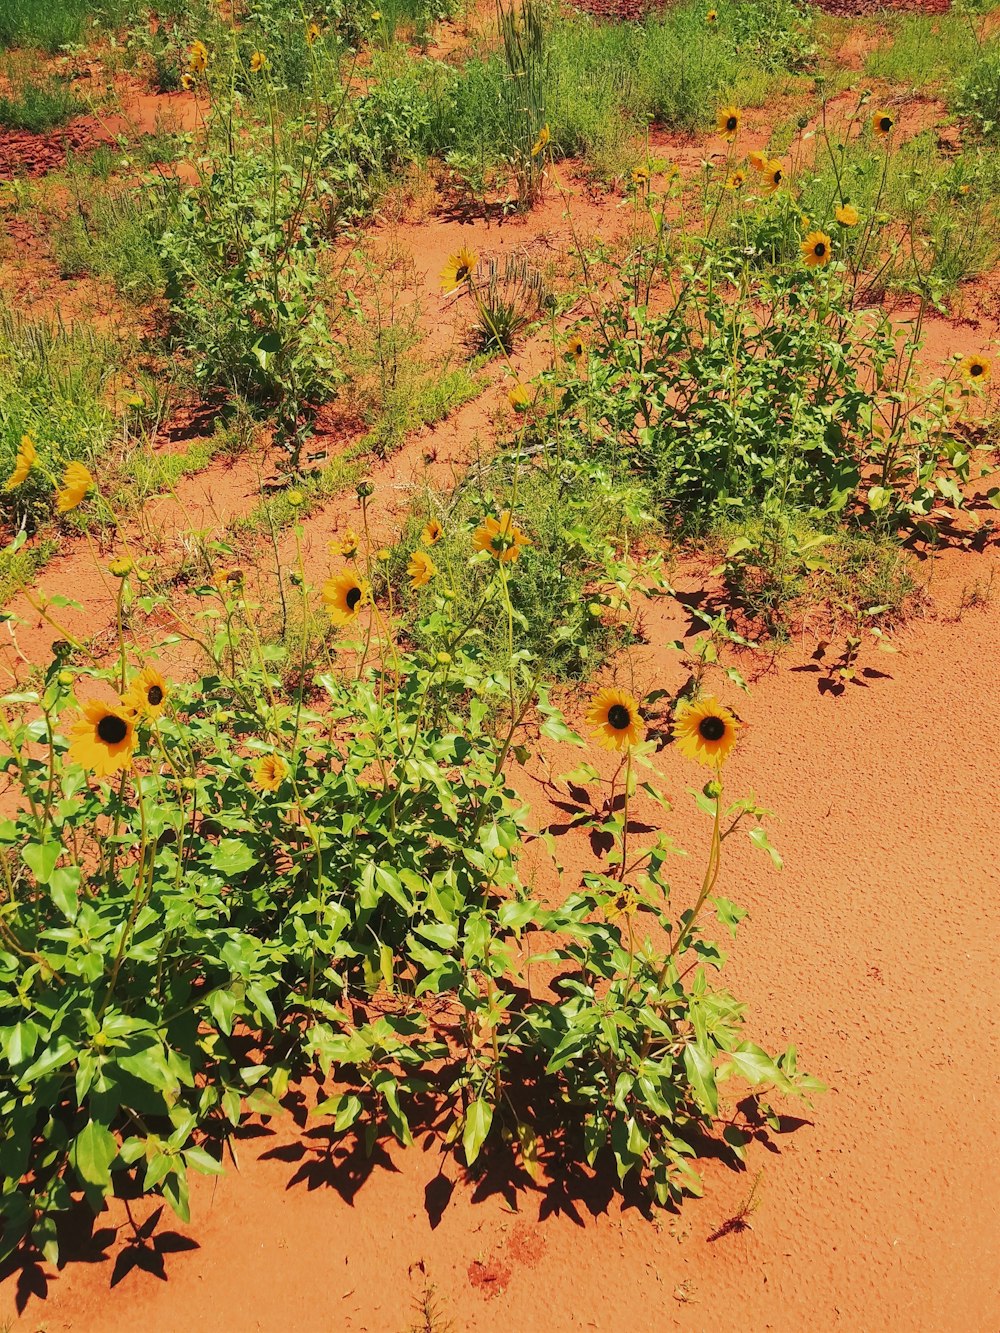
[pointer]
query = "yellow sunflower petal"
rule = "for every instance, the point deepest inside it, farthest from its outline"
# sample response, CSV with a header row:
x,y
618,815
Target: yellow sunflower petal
x,y
705,730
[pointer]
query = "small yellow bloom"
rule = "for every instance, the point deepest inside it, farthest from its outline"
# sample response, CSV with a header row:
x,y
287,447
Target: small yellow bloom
x,y
712,16
77,481
229,580
187,81
614,719
147,695
432,533
23,463
576,347
103,739
376,16
728,122
847,215
976,369
883,123
541,141
816,249
640,177
771,176
758,160
313,33
421,569
736,180
343,596
705,731
459,269
519,398
258,61
501,537
270,772
198,57
347,546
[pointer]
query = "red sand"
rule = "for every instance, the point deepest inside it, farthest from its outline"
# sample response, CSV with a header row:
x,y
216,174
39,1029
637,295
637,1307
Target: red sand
x,y
875,951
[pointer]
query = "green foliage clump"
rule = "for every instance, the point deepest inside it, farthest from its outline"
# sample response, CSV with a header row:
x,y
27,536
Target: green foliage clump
x,y
39,106
978,93
53,388
241,255
318,885
574,596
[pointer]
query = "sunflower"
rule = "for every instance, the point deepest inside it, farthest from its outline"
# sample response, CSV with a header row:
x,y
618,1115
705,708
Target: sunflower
x,y
77,481
347,545
23,463
421,569
270,772
541,142
432,533
614,718
501,537
883,123
120,566
576,347
103,739
228,580
771,176
459,269
727,122
343,596
712,16
187,81
640,177
313,33
198,57
705,731
976,369
847,215
147,695
758,160
258,61
736,180
816,249
519,398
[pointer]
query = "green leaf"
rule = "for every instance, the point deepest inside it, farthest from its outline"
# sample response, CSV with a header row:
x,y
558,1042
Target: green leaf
x,y
232,857
758,836
64,885
41,858
93,1151
478,1120
702,1077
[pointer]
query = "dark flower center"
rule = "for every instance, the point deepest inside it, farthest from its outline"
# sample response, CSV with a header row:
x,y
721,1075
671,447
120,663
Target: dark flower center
x,y
885,124
461,273
352,598
112,729
777,178
711,728
731,123
619,717
819,249
975,369
154,695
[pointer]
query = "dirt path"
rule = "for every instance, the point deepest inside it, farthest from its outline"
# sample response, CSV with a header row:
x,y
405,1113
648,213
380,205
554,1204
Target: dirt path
x,y
875,951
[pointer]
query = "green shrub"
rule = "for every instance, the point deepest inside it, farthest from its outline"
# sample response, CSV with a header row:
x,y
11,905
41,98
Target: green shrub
x,y
278,888
241,255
